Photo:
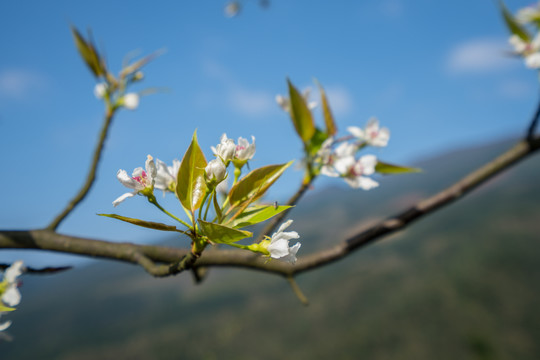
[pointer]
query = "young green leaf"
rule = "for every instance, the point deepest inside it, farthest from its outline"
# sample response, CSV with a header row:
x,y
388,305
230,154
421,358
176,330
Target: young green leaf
x,y
88,53
389,169
256,214
143,223
331,128
300,114
222,234
255,184
512,24
190,182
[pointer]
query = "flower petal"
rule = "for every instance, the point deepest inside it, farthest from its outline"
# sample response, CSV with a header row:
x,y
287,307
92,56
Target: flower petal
x,y
122,198
5,325
12,296
14,271
128,181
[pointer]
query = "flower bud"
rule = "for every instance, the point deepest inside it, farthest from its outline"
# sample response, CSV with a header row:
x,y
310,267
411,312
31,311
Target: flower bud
x,y
131,101
215,171
100,90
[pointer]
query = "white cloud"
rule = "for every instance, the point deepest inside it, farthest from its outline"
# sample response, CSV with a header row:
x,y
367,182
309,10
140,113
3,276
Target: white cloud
x,y
479,56
19,83
250,102
239,97
340,100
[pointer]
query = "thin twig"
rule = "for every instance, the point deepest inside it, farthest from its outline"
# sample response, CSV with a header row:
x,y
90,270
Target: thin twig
x,y
297,291
91,177
534,122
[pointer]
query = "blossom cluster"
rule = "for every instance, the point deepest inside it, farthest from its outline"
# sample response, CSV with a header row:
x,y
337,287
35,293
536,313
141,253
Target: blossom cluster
x,y
158,175
9,292
525,44
340,160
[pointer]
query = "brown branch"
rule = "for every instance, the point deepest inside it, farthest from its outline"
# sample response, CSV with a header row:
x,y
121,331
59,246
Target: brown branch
x,y
91,177
152,258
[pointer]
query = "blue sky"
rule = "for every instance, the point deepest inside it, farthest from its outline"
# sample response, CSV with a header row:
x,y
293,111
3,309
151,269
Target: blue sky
x,y
434,72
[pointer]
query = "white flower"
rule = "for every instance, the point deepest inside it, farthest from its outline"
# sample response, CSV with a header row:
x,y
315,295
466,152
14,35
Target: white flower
x,y
245,150
285,103
131,101
330,158
372,135
100,90
11,295
139,181
5,324
533,61
225,149
528,14
529,50
166,175
353,171
215,171
279,244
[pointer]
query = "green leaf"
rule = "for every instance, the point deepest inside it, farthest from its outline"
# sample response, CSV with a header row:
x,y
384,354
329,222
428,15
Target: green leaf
x,y
385,168
143,223
88,53
512,24
255,184
222,234
5,308
300,114
331,128
256,214
190,182
316,141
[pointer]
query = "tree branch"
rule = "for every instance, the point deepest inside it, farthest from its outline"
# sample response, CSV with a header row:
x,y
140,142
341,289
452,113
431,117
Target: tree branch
x,y
149,257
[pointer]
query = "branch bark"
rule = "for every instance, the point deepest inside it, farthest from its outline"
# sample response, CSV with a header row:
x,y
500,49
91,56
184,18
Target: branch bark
x,y
164,261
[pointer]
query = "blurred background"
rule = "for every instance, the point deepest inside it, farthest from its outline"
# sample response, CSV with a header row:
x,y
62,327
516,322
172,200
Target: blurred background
x,y
462,284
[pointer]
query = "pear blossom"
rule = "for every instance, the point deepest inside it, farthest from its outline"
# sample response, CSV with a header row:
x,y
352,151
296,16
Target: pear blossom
x,y
225,149
11,295
285,103
215,171
329,158
279,248
245,150
372,134
131,101
354,171
140,181
166,175
528,14
100,90
529,50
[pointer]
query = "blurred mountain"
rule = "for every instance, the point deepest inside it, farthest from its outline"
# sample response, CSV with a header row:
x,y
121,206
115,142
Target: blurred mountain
x,y
459,284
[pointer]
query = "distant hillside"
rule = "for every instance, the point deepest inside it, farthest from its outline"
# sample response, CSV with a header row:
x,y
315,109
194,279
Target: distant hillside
x,y
460,284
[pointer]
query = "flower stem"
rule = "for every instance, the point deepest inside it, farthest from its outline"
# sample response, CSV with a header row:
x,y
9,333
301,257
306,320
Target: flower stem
x,y
152,199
